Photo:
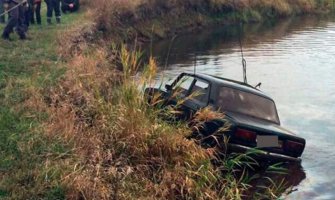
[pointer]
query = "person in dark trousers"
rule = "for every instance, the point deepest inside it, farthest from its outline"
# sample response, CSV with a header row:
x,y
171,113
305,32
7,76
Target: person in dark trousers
x,y
36,12
16,19
2,11
70,5
27,13
53,6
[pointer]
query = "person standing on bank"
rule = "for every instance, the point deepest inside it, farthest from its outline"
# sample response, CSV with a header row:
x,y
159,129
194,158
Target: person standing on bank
x,y
28,10
16,19
36,12
53,6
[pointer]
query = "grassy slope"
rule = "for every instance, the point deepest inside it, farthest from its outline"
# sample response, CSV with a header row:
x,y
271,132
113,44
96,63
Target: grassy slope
x,y
31,163
62,151
52,152
68,129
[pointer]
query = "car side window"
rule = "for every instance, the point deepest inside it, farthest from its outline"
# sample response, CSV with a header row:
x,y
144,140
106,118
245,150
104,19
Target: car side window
x,y
200,91
182,87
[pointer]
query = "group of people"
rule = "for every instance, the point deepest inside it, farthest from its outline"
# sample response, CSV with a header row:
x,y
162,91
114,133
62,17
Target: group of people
x,y
22,13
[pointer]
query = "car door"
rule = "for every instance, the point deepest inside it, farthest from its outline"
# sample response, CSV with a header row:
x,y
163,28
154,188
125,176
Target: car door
x,y
190,94
198,97
181,89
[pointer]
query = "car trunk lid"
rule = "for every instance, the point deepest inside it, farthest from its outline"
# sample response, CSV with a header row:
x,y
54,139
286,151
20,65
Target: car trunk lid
x,y
287,140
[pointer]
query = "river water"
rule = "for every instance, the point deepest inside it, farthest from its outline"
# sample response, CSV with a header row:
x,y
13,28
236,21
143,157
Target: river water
x,y
294,59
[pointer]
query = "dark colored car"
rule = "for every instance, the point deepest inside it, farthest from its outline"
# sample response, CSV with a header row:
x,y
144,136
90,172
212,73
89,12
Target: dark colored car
x,y
252,116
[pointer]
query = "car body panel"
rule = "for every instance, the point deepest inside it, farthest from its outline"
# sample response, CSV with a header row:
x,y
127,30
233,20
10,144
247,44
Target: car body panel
x,y
259,123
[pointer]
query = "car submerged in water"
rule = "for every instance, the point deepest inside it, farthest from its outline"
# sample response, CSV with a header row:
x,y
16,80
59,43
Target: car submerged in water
x,y
252,116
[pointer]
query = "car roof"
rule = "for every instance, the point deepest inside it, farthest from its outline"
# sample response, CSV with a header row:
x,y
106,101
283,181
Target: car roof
x,y
231,83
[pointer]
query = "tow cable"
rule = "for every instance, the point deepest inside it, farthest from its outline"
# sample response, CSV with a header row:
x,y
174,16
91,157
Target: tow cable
x,y
240,30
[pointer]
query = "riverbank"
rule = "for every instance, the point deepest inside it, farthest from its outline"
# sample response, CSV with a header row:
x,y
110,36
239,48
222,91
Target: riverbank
x,y
75,126
150,20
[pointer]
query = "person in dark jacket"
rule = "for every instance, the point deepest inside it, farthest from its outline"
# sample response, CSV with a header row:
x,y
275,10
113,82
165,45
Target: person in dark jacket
x,y
53,6
36,12
70,5
2,11
16,19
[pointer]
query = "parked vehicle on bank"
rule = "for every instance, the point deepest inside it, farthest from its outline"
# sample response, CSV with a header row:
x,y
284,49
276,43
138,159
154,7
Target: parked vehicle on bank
x,y
252,115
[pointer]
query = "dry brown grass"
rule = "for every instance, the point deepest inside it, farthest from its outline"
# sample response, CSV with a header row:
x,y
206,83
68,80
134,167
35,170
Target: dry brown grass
x,y
99,139
124,151
113,145
120,148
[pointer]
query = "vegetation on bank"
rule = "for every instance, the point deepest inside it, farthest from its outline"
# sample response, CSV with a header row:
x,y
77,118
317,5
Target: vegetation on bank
x,y
147,19
74,124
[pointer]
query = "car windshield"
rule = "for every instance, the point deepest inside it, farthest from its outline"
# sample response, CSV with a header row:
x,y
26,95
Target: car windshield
x,y
238,101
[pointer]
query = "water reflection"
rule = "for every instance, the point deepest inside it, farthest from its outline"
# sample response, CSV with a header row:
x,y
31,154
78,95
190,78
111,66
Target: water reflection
x,y
276,180
294,60
209,45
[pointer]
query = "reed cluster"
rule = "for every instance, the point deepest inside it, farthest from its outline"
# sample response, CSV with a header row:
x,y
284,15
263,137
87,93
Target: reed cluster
x,y
124,149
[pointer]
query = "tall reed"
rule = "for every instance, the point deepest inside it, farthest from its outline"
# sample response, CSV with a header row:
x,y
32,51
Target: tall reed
x,y
123,148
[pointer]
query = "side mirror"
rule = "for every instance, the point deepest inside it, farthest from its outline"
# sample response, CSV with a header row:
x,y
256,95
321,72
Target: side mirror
x,y
168,87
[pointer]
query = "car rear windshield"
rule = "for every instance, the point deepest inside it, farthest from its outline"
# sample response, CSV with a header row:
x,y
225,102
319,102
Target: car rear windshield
x,y
238,101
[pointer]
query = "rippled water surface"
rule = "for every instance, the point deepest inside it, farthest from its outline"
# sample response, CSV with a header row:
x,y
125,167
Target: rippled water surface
x,y
295,62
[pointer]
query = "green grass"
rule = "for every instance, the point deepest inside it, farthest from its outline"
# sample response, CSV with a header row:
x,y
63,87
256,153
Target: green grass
x,y
26,68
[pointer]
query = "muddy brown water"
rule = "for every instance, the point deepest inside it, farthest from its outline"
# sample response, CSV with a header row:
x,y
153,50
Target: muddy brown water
x,y
294,59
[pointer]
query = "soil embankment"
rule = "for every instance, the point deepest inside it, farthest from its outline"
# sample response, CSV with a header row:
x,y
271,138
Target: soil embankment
x,y
156,19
